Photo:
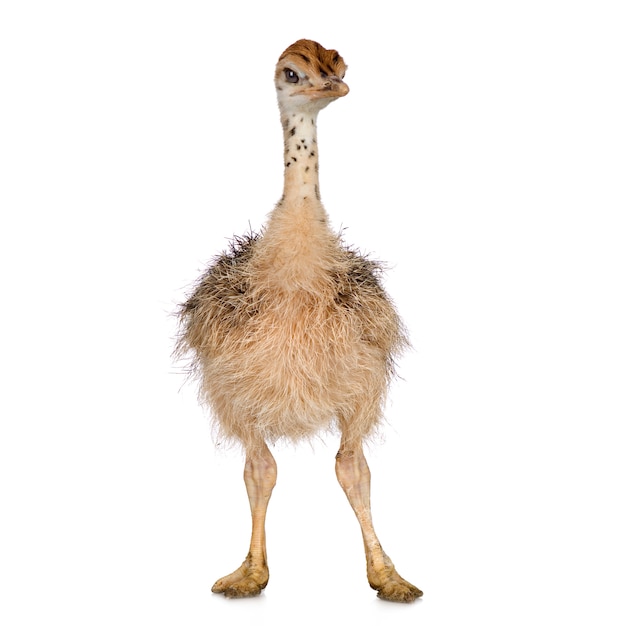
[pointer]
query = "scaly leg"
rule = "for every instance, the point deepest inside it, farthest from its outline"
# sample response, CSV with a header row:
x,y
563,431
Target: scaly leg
x,y
252,576
354,477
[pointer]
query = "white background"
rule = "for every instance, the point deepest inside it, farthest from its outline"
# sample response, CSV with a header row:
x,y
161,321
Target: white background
x,y
480,153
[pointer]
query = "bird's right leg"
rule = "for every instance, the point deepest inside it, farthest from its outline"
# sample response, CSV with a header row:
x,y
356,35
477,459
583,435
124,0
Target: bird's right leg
x,y
354,477
252,576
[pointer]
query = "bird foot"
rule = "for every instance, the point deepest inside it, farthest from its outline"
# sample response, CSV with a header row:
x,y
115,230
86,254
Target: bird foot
x,y
245,582
391,586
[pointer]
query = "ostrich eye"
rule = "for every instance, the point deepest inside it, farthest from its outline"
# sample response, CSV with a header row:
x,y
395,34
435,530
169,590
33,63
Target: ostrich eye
x,y
291,76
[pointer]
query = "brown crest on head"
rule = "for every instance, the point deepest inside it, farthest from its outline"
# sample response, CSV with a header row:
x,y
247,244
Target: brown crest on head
x,y
313,57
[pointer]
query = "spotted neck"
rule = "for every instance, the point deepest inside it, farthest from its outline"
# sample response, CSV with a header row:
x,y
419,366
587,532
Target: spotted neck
x,y
300,159
297,244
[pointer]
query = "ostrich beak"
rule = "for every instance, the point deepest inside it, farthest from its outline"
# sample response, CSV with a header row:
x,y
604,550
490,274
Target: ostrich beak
x,y
332,87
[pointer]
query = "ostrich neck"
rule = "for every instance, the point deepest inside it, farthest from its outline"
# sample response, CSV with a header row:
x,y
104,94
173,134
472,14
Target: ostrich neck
x,y
297,238
300,159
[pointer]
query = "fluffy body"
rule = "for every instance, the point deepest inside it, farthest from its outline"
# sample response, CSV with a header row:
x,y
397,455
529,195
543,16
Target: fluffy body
x,y
285,347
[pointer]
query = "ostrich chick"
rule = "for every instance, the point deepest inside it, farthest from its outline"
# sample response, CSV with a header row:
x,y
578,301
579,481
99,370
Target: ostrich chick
x,y
291,333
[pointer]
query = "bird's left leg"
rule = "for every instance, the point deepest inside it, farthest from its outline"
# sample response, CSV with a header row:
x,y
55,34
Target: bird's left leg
x,y
354,477
252,576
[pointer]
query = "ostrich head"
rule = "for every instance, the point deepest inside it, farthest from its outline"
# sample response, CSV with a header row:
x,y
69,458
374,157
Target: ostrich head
x,y
309,77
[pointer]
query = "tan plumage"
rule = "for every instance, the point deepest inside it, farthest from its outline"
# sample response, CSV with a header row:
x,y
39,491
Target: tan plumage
x,y
290,332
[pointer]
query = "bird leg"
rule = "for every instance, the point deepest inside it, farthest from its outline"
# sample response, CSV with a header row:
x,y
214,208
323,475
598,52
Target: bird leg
x,y
354,477
252,576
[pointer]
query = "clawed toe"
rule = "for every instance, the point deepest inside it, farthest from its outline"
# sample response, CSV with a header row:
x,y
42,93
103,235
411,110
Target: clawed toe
x,y
399,592
392,587
245,588
244,582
